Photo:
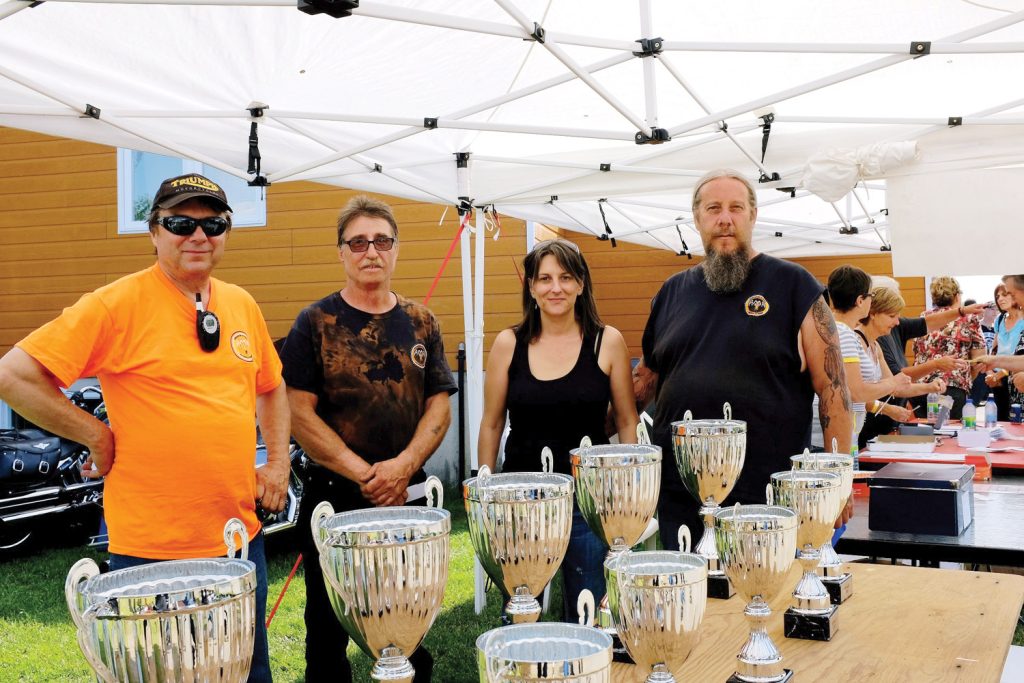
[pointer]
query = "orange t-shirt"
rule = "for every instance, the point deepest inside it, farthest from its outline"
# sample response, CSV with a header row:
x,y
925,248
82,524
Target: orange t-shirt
x,y
183,419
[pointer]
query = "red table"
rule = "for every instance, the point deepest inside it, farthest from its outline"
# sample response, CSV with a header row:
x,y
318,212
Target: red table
x,y
1013,460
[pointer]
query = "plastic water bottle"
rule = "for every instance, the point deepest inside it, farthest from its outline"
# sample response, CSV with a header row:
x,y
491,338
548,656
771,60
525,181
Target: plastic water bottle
x,y
933,406
969,415
991,412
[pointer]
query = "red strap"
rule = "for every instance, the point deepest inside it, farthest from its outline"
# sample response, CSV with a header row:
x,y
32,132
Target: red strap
x,y
284,590
447,257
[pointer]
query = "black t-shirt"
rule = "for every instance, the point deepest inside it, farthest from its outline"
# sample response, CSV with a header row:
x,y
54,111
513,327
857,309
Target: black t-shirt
x,y
741,348
371,373
555,413
894,344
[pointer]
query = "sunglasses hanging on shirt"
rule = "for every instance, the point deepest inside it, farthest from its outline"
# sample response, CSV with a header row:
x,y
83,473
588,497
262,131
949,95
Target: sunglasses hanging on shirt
x,y
207,327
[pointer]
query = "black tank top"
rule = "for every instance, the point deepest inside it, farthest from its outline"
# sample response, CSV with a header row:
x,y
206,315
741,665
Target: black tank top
x,y
555,413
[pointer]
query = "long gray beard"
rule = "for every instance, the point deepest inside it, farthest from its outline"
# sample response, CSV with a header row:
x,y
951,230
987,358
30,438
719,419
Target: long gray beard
x,y
726,273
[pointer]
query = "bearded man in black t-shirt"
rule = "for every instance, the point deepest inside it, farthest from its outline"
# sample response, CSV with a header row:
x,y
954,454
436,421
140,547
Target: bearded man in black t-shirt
x,y
368,387
747,329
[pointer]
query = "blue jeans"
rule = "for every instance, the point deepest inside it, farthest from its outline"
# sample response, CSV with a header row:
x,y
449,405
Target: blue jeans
x,y
583,566
260,670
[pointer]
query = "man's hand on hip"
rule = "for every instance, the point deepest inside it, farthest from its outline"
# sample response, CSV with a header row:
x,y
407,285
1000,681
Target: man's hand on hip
x,y
272,486
387,481
101,455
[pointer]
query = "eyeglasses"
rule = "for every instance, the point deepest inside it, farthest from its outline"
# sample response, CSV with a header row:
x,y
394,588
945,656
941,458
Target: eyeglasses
x,y
182,226
361,244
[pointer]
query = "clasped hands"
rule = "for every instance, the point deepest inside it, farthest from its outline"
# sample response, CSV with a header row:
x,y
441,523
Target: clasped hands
x,y
386,482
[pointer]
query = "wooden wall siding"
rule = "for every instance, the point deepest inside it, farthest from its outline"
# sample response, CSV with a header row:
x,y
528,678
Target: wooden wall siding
x,y
58,240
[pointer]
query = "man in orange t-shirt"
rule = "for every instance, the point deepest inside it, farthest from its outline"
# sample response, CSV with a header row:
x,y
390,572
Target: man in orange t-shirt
x,y
185,362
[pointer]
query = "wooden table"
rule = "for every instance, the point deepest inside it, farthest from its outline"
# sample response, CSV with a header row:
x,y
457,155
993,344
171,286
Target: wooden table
x,y
996,536
1011,461
902,624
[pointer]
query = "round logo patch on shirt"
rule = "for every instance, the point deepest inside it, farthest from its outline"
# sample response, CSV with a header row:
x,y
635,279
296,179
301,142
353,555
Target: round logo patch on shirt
x,y
756,306
240,346
419,356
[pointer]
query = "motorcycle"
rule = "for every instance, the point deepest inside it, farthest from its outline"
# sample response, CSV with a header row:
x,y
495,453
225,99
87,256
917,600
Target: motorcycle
x,y
41,480
274,522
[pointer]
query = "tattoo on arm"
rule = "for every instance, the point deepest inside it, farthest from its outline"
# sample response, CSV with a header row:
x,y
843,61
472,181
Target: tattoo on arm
x,y
825,325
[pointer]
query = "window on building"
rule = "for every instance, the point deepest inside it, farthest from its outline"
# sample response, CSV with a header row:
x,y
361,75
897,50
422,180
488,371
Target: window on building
x,y
139,174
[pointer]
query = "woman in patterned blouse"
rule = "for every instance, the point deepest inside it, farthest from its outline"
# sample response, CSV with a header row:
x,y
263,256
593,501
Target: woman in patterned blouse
x,y
961,338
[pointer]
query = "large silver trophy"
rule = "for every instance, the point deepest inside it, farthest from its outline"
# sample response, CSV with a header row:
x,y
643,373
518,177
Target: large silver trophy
x,y
519,523
657,600
710,455
386,570
549,652
757,545
838,582
617,487
816,498
179,621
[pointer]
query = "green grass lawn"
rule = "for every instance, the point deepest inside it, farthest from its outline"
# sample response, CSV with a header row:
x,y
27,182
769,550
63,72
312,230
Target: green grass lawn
x,y
37,637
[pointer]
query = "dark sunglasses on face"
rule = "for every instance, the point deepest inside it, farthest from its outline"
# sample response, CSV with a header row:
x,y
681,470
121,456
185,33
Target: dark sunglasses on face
x,y
361,244
182,226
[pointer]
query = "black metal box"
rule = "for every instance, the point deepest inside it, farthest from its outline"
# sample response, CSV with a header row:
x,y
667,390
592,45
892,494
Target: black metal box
x,y
922,498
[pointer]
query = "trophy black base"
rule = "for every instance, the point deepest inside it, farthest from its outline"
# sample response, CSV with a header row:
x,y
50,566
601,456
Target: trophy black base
x,y
787,675
720,588
810,626
840,588
619,652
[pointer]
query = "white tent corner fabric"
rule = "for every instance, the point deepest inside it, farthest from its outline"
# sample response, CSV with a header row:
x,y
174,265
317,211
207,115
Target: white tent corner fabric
x,y
549,99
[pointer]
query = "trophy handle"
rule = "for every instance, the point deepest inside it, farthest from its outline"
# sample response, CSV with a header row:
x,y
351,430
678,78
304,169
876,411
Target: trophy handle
x,y
642,436
80,572
322,511
104,673
235,527
435,492
835,445
585,442
547,460
585,607
683,537
498,672
769,494
687,416
727,410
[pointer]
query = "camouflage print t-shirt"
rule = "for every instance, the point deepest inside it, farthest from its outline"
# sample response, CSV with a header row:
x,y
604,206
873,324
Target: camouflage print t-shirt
x,y
372,373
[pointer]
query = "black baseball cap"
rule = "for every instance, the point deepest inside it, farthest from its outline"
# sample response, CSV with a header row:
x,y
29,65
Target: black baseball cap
x,y
174,191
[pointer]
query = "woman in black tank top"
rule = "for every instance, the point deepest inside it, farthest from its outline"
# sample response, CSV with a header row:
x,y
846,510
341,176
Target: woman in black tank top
x,y
555,374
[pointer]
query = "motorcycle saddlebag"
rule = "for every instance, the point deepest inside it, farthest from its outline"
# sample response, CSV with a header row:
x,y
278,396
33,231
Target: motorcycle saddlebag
x,y
28,455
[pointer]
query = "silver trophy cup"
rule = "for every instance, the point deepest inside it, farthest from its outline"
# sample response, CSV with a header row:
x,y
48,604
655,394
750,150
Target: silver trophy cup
x,y
657,600
710,455
550,652
386,570
519,524
838,582
617,487
816,497
757,545
174,622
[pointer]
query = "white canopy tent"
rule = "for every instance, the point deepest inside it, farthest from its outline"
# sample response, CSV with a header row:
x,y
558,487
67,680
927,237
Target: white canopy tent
x,y
543,104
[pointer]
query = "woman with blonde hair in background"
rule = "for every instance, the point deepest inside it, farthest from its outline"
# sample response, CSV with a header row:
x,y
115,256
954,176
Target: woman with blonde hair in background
x,y
883,315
